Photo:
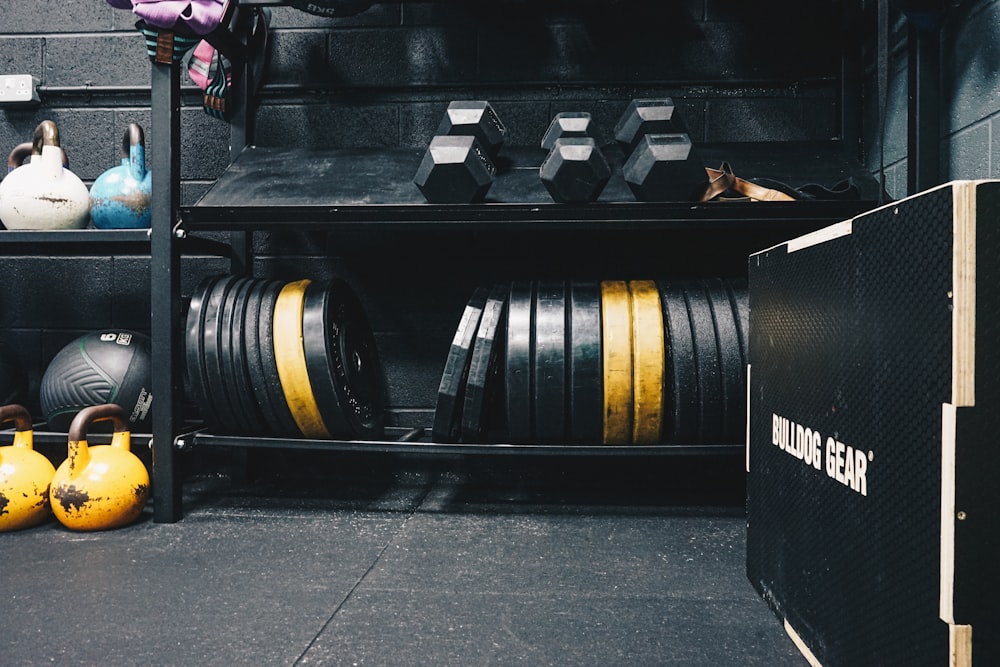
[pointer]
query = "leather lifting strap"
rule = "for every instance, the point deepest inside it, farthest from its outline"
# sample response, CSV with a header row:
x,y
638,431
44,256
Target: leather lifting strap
x,y
723,180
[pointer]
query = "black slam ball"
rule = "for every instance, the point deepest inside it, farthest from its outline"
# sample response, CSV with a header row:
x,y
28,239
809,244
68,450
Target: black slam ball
x,y
112,366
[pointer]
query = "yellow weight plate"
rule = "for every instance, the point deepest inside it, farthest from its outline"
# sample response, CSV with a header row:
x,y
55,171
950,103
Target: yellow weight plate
x,y
647,362
290,357
616,327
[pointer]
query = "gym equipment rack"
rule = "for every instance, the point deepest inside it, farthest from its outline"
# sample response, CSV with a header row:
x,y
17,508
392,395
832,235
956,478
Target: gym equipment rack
x,y
256,194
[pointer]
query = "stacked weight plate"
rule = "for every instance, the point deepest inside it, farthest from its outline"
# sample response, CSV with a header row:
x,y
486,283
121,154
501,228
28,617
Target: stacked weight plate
x,y
637,362
282,359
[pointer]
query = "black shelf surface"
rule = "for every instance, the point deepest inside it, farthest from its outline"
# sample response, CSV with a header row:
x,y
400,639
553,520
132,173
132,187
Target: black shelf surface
x,y
75,237
41,436
416,441
73,241
272,188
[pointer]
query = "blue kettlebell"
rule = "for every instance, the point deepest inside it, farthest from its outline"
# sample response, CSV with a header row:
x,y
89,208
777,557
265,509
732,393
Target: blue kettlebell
x,y
120,197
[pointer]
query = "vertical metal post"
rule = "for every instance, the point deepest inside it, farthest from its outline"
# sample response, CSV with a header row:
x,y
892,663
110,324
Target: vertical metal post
x,y
165,289
923,169
241,133
850,82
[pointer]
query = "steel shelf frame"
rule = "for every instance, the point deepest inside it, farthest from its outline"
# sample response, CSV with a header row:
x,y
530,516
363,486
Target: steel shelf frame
x,y
171,223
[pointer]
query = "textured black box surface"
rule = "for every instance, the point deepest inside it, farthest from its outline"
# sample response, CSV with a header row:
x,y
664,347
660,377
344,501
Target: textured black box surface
x,y
873,402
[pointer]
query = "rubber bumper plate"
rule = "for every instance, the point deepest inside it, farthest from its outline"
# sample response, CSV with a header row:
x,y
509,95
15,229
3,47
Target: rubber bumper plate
x,y
448,413
647,362
549,368
680,368
518,362
586,381
616,320
485,380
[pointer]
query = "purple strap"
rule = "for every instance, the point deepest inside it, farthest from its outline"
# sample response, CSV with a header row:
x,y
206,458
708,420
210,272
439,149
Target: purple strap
x,y
199,16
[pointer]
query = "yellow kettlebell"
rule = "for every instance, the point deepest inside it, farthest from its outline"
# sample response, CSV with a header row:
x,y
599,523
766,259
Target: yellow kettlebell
x,y
100,487
25,475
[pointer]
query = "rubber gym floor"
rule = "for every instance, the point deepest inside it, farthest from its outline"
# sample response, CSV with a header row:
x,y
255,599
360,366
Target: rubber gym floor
x,y
405,560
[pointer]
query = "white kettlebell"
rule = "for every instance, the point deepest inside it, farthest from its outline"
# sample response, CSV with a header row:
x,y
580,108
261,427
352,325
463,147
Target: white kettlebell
x,y
43,194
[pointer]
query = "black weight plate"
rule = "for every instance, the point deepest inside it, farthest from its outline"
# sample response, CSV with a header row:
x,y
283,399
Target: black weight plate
x,y
241,385
250,350
680,372
218,402
518,362
316,342
265,348
739,298
447,416
706,354
194,322
550,363
485,376
224,346
356,364
586,375
730,363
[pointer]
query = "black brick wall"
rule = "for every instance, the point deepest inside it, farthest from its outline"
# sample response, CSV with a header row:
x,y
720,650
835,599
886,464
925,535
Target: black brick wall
x,y
738,72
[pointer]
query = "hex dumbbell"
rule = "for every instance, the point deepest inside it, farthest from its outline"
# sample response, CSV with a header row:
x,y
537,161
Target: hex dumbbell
x,y
575,170
661,169
475,118
567,124
646,116
455,170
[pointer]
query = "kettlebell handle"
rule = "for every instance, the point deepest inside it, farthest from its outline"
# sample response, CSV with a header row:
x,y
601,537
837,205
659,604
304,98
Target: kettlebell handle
x,y
17,156
17,414
95,413
23,428
46,134
133,137
23,151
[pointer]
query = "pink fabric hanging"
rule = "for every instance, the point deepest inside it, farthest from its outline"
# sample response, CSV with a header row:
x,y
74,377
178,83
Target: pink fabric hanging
x,y
199,16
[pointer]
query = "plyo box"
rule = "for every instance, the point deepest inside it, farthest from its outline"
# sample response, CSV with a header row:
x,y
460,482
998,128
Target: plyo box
x,y
873,439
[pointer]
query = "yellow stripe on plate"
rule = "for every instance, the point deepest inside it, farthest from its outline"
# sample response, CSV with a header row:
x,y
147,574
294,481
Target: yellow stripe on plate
x,y
290,357
647,362
616,328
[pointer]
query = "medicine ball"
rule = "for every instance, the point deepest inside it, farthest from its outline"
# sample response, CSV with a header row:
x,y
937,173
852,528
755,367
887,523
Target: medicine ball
x,y
13,376
97,368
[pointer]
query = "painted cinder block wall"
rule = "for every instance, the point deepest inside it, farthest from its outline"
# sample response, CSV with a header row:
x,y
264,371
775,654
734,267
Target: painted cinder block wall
x,y
968,32
737,72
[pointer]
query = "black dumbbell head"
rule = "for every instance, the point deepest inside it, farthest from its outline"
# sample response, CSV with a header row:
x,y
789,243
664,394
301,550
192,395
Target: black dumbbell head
x,y
645,116
660,168
567,124
455,170
575,170
476,118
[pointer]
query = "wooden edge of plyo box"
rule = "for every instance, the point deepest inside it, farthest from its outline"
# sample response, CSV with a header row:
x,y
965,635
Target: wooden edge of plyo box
x,y
963,315
959,636
959,645
801,645
963,299
746,450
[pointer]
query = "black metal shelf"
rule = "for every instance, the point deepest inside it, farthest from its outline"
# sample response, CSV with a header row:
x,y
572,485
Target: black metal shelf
x,y
416,441
40,436
268,188
278,188
43,240
125,241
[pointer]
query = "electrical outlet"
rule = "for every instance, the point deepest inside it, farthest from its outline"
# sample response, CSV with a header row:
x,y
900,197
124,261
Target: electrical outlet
x,y
18,89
